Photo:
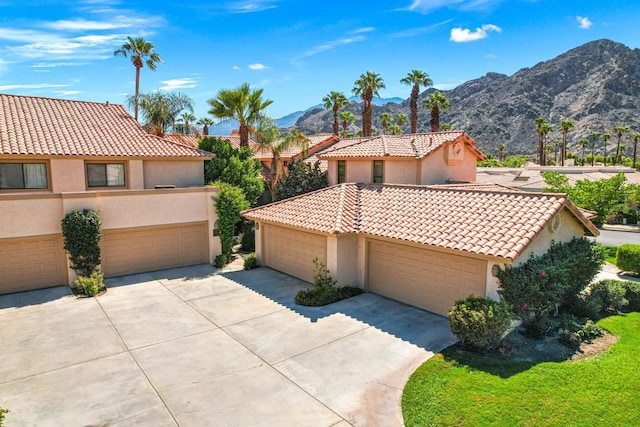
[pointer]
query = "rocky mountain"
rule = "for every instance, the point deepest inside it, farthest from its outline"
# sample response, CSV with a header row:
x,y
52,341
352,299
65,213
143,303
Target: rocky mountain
x,y
597,85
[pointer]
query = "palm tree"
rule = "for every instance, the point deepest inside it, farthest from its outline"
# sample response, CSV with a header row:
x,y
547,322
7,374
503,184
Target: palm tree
x,y
205,122
558,148
141,52
401,118
546,130
540,122
242,104
635,136
335,101
619,130
583,143
501,152
185,121
565,126
269,139
395,129
445,126
415,78
594,138
434,102
385,119
605,138
346,117
366,87
160,109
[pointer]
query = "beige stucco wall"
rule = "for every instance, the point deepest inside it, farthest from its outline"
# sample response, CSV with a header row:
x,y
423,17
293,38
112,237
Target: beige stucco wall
x,y
342,258
436,170
401,171
181,173
357,171
136,175
67,175
30,215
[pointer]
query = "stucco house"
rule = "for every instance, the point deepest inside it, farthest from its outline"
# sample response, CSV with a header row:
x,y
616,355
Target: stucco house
x,y
57,156
418,159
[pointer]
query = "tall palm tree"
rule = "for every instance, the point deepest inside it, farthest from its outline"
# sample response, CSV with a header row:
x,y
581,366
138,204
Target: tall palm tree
x,y
141,52
415,79
401,118
558,150
269,139
540,122
395,129
619,130
501,152
546,130
160,109
242,104
605,138
635,136
445,126
594,138
366,87
185,121
583,143
346,117
385,119
565,126
335,101
434,102
205,122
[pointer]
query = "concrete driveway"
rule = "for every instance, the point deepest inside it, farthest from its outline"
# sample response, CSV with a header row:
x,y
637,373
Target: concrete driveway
x,y
201,347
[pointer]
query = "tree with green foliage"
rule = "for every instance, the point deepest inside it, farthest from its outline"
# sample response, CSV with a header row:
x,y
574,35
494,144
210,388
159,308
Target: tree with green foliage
x,y
415,79
401,119
229,202
205,122
445,127
565,126
184,123
366,87
501,152
335,101
583,144
394,129
301,178
236,167
346,117
594,136
434,102
605,137
160,109
540,122
141,52
619,130
385,119
82,232
242,104
634,137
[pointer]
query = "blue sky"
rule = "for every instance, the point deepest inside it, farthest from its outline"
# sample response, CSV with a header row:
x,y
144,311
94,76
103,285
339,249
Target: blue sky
x,y
296,50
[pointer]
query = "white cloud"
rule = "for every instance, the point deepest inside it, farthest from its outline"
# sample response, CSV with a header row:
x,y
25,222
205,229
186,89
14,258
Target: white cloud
x,y
31,86
363,30
426,6
463,35
80,24
491,56
446,86
584,22
250,6
184,83
332,45
257,66
235,67
66,92
58,64
413,32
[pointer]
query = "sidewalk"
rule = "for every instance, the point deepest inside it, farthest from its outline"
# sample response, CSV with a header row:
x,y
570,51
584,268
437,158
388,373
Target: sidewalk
x,y
620,227
610,271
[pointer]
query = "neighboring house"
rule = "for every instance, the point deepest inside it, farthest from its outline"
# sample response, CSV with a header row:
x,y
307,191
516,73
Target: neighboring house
x,y
57,156
423,245
315,143
194,140
422,159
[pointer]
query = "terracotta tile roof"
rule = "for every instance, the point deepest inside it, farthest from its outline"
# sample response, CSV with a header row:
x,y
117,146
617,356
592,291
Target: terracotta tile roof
x,y
414,146
314,143
493,223
57,127
188,140
480,186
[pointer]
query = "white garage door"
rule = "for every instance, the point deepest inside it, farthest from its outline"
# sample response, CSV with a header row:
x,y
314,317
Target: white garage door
x,y
292,251
31,263
147,249
423,278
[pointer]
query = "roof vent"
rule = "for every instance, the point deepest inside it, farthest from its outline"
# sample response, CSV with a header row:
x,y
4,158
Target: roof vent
x,y
106,103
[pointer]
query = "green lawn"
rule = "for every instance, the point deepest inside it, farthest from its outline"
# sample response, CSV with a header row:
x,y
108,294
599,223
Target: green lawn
x,y
456,388
610,253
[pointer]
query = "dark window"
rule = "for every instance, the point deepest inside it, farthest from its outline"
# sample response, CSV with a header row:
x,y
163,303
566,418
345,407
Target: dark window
x,y
105,174
378,171
23,175
342,171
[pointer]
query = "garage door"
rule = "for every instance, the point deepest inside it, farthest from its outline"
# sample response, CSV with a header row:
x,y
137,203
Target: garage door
x,y
31,263
147,249
427,279
292,251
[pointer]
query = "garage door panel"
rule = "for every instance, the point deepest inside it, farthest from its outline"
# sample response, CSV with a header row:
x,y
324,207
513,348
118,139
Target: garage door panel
x,y
292,251
421,277
148,249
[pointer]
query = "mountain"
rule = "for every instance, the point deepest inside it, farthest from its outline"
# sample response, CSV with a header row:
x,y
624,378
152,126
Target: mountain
x,y
597,85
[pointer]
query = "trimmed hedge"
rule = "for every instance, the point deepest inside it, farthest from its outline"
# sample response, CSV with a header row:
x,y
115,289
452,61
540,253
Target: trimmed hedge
x,y
479,323
628,258
632,295
251,262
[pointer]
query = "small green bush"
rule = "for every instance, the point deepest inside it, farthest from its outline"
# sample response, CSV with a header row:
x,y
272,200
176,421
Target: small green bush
x,y
3,411
248,240
629,258
82,231
220,260
90,286
575,331
479,323
325,290
611,294
632,295
250,262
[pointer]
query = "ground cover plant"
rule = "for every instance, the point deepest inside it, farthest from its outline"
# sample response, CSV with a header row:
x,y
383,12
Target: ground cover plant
x,y
460,388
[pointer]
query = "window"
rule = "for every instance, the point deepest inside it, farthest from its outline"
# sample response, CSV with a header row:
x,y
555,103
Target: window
x,y
378,170
342,171
105,174
15,176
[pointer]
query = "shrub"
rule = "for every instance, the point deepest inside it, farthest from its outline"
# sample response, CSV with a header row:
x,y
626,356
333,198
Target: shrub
x,y
575,331
248,241
220,260
325,290
479,323
628,258
90,286
250,262
632,295
611,294
229,202
82,231
3,411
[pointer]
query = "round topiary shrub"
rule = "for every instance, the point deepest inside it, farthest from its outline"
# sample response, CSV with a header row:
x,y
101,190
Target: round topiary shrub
x,y
82,231
479,323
